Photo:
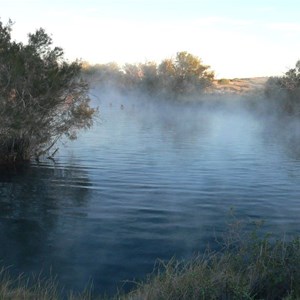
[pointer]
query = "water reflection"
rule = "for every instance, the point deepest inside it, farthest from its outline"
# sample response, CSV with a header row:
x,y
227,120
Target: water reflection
x,y
149,182
33,207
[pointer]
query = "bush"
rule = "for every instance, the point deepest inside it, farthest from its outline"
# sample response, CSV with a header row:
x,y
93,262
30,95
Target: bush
x,y
285,90
223,81
185,75
42,97
177,78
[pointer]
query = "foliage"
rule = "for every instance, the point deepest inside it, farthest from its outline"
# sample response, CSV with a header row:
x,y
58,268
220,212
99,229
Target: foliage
x,y
190,75
106,74
177,77
132,76
224,81
42,96
247,267
285,90
150,80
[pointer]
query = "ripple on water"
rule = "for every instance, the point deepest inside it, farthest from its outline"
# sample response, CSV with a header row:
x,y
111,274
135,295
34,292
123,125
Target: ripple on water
x,y
143,186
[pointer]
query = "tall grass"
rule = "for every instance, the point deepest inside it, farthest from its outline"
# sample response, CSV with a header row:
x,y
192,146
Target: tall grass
x,y
36,288
248,265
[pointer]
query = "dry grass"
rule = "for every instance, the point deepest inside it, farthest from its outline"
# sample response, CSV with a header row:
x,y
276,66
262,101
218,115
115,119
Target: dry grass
x,y
35,288
248,265
238,85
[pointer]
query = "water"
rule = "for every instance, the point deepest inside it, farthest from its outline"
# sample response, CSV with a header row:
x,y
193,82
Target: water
x,y
147,182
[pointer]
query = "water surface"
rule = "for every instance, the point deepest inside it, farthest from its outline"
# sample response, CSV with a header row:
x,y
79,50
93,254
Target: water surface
x,y
148,181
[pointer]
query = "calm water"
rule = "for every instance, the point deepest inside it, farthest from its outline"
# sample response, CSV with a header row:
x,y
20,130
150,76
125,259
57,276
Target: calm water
x,y
147,182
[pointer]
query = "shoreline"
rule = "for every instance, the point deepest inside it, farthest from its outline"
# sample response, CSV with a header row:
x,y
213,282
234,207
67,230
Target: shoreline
x,y
249,265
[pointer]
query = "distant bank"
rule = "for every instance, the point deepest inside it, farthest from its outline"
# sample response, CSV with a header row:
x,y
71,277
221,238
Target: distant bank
x,y
238,85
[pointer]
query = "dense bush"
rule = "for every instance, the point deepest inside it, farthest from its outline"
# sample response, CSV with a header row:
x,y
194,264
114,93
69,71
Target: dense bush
x,y
181,76
285,90
42,96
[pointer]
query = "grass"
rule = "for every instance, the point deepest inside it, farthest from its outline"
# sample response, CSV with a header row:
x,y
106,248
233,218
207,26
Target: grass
x,y
247,266
35,288
223,81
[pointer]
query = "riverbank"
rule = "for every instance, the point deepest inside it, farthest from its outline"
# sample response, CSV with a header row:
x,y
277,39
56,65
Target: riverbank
x,y
238,86
247,266
250,269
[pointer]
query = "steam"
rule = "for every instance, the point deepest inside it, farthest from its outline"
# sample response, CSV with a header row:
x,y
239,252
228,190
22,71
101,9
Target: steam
x,y
182,120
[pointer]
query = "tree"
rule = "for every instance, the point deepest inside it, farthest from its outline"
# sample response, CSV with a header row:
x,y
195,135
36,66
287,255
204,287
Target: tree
x,y
185,75
132,76
191,74
42,96
175,78
107,76
149,77
166,75
286,90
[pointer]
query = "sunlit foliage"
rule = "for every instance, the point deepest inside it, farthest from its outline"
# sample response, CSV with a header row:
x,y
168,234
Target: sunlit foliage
x,y
177,77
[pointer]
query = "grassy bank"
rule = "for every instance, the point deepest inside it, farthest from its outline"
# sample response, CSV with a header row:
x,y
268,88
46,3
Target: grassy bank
x,y
247,266
35,288
262,270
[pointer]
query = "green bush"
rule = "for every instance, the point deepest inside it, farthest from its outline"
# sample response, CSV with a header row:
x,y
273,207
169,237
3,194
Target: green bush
x,y
285,90
42,97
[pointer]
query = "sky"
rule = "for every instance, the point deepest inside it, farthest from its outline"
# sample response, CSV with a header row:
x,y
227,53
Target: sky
x,y
236,38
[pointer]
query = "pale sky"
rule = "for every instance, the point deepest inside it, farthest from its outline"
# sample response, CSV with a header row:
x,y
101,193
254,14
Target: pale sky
x,y
236,38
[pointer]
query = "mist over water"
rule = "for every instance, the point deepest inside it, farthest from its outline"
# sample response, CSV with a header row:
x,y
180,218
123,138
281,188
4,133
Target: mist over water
x,y
150,180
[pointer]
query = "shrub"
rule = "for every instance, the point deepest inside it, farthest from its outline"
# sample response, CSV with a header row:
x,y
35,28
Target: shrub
x,y
285,90
42,96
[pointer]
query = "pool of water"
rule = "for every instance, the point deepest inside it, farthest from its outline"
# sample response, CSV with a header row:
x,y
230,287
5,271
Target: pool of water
x,y
148,181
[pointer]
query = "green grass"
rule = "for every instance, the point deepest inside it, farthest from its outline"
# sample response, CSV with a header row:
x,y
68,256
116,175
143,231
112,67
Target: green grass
x,y
248,265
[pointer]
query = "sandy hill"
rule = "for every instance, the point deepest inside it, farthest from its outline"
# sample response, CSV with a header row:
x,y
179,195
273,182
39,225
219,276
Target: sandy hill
x,y
238,85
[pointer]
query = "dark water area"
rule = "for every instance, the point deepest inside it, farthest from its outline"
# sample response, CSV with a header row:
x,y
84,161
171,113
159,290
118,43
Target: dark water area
x,y
147,181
